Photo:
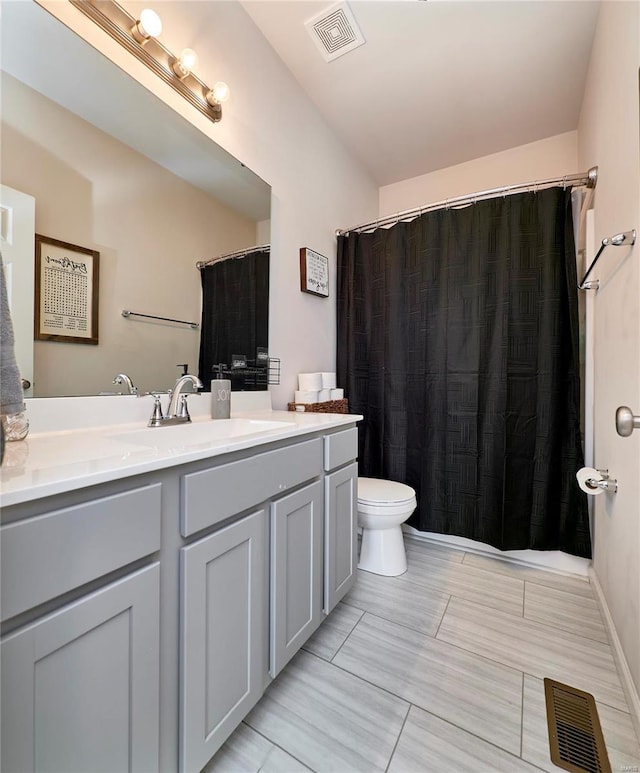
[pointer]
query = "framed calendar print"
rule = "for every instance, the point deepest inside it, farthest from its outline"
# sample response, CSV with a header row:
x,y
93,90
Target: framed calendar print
x,y
66,292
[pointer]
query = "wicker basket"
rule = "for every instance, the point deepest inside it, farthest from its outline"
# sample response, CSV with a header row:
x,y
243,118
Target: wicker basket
x,y
330,406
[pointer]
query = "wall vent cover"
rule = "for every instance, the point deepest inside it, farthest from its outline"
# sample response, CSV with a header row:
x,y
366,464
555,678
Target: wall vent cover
x,y
576,742
335,31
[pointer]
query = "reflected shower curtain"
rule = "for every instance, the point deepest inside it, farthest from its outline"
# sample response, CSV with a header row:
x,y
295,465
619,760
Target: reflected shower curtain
x,y
235,312
458,342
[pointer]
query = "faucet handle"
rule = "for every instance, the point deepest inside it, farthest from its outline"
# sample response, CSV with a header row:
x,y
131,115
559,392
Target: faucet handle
x,y
156,415
183,410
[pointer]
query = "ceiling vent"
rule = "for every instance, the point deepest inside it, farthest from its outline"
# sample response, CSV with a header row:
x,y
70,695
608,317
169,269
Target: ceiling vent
x,y
335,31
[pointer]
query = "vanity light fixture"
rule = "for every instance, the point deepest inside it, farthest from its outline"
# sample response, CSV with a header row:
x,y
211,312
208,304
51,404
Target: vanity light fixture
x,y
140,38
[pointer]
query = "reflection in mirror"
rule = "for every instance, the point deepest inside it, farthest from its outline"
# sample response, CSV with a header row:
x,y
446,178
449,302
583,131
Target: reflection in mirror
x,y
235,333
113,169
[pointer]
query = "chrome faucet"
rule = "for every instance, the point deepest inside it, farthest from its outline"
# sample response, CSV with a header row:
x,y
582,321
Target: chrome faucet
x,y
177,411
122,378
172,410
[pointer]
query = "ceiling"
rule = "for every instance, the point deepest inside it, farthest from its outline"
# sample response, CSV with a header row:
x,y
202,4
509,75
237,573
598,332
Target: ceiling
x,y
438,83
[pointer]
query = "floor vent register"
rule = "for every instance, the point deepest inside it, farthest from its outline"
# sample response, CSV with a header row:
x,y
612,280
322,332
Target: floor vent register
x,y
575,735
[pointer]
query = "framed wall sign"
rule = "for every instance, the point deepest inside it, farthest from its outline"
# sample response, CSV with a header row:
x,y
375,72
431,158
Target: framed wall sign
x,y
314,272
66,292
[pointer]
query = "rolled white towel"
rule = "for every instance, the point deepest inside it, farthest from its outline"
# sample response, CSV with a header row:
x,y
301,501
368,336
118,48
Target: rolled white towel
x,y
306,396
310,381
337,394
324,395
328,380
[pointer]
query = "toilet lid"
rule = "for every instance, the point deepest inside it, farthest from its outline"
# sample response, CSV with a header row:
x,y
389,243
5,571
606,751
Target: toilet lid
x,y
385,492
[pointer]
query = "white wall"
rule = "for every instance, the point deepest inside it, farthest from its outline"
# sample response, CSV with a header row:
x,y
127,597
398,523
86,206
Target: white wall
x,y
546,158
609,136
95,192
273,128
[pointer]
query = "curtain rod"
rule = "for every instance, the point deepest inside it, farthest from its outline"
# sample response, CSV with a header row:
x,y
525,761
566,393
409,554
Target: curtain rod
x,y
588,179
200,264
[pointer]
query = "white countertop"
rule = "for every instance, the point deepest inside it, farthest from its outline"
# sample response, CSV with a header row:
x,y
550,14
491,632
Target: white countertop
x,y
48,463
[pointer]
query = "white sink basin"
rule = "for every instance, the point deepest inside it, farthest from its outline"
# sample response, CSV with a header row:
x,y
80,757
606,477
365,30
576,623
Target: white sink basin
x,y
199,433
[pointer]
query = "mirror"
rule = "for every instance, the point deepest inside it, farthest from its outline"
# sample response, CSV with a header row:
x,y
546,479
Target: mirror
x,y
114,169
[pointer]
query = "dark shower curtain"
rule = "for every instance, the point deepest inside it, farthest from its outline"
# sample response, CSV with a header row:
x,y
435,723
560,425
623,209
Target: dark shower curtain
x,y
458,342
235,312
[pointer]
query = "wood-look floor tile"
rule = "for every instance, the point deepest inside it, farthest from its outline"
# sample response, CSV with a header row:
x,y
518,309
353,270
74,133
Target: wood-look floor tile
x,y
463,580
617,728
398,600
570,583
566,610
435,549
328,719
328,639
534,648
279,761
428,744
472,692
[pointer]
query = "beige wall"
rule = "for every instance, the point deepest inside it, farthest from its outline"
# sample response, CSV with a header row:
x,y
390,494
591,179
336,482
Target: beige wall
x,y
148,225
609,136
546,158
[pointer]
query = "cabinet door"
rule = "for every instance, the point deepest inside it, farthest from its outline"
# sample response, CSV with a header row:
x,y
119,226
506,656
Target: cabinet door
x,y
80,687
341,523
296,572
223,603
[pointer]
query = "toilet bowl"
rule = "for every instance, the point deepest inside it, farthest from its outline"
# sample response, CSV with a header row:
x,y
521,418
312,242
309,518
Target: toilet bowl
x,y
383,506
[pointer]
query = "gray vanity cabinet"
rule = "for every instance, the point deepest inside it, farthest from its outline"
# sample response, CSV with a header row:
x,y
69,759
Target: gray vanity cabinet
x,y
143,618
341,523
80,686
224,603
340,515
296,572
81,620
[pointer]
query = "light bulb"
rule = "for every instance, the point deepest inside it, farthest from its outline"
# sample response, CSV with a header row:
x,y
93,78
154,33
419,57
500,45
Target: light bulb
x,y
189,59
185,63
148,26
218,94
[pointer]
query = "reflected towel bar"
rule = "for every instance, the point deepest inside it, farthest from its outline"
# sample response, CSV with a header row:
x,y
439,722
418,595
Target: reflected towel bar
x,y
627,237
192,325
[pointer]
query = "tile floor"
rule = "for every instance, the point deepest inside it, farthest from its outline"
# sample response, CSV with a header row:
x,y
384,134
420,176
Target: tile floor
x,y
440,671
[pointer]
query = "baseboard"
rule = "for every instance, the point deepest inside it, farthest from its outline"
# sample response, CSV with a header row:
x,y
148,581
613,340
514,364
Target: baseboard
x,y
552,561
628,685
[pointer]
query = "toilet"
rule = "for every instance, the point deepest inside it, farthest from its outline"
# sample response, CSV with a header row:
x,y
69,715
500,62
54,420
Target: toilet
x,y
383,506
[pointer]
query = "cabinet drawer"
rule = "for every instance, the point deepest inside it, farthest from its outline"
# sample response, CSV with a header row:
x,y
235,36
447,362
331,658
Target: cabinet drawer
x,y
210,496
46,556
340,448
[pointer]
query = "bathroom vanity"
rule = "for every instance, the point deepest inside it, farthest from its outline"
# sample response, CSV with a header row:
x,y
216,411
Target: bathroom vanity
x,y
153,587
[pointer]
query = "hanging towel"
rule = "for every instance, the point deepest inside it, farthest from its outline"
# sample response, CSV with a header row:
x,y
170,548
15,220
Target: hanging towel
x,y
11,395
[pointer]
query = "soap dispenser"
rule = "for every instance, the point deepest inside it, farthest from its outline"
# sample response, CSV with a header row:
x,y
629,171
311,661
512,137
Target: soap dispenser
x,y
220,394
